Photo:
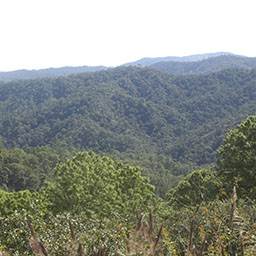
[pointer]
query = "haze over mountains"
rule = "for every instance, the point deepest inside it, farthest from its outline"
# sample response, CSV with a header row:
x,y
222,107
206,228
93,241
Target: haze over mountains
x,y
200,63
48,72
206,66
191,58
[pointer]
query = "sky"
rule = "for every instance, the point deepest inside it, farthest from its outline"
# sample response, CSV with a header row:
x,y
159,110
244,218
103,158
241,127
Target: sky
x,y
53,33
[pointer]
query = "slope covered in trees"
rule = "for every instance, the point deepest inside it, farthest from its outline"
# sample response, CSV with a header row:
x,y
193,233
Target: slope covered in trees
x,y
206,66
166,124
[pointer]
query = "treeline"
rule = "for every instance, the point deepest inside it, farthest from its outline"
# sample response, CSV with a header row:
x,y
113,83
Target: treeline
x,y
94,205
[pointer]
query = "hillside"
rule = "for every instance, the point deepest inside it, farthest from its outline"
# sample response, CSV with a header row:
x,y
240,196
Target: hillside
x,y
205,66
166,124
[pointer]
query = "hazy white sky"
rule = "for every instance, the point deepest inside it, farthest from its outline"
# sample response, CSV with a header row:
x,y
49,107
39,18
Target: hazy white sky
x,y
52,33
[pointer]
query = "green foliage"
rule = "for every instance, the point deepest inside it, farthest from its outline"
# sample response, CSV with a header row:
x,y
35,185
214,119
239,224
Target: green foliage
x,y
92,200
16,208
199,186
237,161
93,203
25,201
27,168
98,185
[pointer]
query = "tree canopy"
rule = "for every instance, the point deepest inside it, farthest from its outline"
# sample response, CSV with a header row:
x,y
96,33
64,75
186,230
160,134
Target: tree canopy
x,y
195,188
237,158
98,185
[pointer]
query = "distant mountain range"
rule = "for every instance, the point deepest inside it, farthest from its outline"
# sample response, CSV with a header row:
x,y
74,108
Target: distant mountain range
x,y
206,66
145,62
194,64
49,72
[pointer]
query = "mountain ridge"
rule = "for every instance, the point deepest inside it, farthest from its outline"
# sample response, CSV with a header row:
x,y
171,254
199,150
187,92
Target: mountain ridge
x,y
206,66
67,70
148,61
47,72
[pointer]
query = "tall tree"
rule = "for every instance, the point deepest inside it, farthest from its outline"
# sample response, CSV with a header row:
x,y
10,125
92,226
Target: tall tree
x,y
237,158
99,186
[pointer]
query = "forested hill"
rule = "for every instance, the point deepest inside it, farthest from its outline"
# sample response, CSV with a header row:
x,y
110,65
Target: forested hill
x,y
160,121
48,72
205,66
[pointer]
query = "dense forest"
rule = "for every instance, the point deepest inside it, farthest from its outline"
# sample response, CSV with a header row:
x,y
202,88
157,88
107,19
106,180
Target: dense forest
x,y
166,124
131,161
